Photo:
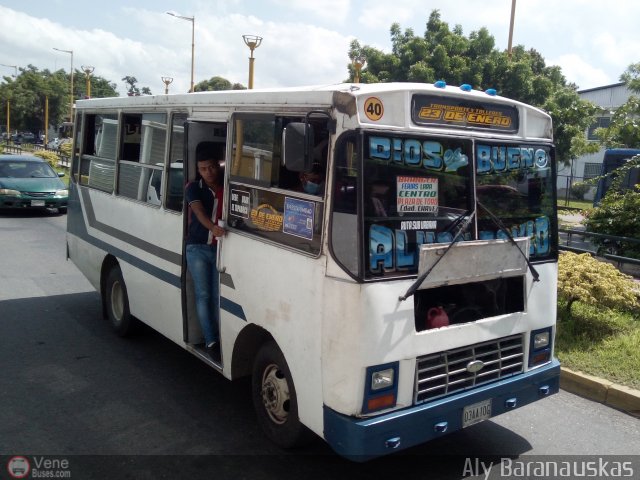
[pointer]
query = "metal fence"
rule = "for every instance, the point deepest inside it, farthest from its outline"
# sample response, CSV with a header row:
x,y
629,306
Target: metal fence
x,y
567,236
63,160
571,187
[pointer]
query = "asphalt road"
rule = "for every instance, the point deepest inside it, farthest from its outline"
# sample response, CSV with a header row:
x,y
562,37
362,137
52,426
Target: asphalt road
x,y
145,408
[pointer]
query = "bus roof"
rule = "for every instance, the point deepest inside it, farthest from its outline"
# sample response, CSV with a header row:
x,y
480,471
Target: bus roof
x,y
399,101
313,94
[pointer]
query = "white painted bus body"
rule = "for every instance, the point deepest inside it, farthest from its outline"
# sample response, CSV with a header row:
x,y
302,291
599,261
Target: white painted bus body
x,y
329,327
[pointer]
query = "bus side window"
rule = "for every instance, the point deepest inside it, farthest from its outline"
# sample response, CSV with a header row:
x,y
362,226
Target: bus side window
x,y
141,167
319,156
97,163
131,127
176,180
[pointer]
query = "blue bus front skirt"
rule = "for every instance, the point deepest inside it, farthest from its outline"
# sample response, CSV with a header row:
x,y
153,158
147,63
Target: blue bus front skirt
x,y
360,439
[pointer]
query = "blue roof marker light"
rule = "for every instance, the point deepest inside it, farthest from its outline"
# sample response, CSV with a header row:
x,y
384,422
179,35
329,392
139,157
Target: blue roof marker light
x,y
491,91
465,87
440,84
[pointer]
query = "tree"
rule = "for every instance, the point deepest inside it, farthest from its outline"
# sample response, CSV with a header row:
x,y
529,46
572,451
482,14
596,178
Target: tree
x,y
100,87
632,77
571,118
29,91
132,89
618,213
624,129
217,83
446,54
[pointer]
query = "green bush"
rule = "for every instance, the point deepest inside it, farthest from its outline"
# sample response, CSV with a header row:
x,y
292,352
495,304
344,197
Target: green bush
x,y
49,156
618,214
587,280
65,149
579,190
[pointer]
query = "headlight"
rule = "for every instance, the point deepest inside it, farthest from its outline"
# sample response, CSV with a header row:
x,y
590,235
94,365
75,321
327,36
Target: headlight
x,y
381,387
62,193
541,340
382,379
7,191
540,347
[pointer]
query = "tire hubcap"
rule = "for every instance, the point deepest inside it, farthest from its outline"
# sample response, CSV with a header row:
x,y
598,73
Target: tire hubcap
x,y
275,394
117,302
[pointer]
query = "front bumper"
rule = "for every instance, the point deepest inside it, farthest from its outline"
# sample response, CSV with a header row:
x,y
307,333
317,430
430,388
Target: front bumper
x,y
360,439
27,202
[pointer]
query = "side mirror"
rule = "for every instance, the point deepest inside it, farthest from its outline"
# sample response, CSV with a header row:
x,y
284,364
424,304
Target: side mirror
x,y
61,174
296,146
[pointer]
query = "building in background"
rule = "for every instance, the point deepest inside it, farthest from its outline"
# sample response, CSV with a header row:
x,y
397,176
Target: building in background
x,y
608,98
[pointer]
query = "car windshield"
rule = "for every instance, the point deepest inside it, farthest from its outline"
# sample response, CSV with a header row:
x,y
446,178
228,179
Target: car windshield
x,y
19,169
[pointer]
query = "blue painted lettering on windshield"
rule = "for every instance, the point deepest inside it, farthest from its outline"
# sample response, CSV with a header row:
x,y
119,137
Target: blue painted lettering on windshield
x,y
390,249
498,159
429,155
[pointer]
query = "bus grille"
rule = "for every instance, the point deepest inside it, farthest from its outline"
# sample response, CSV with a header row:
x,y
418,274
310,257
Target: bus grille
x,y
444,373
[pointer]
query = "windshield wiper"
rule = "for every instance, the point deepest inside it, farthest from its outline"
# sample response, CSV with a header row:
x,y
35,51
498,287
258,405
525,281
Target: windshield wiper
x,y
501,226
414,286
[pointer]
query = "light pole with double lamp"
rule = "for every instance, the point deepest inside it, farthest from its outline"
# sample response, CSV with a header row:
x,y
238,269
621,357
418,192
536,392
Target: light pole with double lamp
x,y
88,70
70,106
193,38
166,81
253,42
358,62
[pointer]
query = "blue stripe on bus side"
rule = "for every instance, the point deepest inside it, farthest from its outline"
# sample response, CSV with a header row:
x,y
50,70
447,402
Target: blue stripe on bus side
x,y
233,308
77,226
153,249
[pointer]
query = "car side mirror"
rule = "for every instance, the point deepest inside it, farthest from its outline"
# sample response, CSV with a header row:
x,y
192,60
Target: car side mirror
x,y
61,174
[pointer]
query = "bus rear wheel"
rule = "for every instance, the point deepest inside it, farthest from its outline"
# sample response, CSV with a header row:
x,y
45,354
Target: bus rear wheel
x,y
274,398
117,303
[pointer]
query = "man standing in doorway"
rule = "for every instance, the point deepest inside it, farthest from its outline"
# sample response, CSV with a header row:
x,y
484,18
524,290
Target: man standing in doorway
x,y
204,197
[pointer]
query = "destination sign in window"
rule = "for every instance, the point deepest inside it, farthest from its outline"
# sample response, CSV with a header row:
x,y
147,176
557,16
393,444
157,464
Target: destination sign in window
x,y
437,110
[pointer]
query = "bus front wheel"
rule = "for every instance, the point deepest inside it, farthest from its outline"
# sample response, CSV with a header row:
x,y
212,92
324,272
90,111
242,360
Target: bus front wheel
x,y
274,398
117,303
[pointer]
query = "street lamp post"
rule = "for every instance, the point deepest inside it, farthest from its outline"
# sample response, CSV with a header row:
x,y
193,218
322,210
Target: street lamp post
x,y
46,120
358,62
253,42
166,81
9,104
513,14
88,70
8,120
193,38
71,106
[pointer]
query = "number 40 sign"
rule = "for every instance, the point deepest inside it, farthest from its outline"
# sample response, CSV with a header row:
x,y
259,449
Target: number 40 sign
x,y
373,109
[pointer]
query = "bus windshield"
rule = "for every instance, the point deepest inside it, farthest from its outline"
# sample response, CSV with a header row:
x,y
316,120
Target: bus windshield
x,y
419,189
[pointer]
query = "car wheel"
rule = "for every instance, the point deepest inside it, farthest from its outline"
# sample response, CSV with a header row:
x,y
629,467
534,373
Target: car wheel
x,y
117,303
275,400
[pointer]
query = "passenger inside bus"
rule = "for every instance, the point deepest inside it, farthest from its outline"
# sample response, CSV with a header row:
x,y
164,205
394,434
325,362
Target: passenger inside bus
x,y
312,182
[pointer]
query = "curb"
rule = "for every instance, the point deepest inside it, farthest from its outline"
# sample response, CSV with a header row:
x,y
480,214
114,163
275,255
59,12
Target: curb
x,y
600,390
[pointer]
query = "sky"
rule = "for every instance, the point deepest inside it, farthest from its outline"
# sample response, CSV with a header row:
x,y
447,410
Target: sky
x,y
305,42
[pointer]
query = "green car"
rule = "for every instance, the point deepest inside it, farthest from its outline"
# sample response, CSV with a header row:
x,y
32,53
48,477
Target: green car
x,y
29,182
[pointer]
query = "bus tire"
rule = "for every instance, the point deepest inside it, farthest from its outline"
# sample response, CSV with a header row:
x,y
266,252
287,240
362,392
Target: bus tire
x,y
117,303
274,398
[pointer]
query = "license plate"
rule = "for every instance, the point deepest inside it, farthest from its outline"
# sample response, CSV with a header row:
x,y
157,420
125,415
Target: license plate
x,y
476,413
37,203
